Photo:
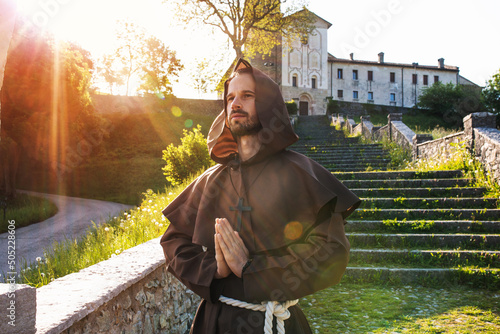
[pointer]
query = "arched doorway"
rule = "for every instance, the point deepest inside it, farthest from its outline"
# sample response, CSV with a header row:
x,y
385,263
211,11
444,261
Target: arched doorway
x,y
304,103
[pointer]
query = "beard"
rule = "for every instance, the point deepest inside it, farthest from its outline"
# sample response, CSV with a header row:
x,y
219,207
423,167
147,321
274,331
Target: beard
x,y
247,127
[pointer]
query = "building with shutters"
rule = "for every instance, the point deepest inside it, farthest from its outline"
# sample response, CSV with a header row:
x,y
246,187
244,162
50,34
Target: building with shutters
x,y
308,74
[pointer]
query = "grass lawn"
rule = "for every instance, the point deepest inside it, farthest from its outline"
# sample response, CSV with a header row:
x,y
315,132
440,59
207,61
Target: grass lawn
x,y
122,166
26,210
370,308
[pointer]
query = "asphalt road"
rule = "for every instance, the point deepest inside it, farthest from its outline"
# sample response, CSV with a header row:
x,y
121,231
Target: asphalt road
x,y
73,218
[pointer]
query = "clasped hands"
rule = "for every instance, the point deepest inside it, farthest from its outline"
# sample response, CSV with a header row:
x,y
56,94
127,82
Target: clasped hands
x,y
231,253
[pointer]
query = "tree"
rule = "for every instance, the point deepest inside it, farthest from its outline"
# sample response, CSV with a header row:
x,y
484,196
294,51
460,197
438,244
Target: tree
x,y
452,102
440,98
252,26
491,93
109,73
47,108
205,76
129,53
159,65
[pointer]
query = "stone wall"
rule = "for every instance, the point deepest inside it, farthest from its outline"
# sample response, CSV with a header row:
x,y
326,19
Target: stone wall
x,y
380,133
358,109
400,132
442,147
128,293
480,137
487,150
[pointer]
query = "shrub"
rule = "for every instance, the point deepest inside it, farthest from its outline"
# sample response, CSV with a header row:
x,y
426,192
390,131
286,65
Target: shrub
x,y
292,107
186,159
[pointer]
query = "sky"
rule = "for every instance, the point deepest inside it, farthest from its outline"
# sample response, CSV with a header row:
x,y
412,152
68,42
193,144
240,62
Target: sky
x,y
463,32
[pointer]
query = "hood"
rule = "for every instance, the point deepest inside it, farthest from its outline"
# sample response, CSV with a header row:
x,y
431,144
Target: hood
x,y
276,133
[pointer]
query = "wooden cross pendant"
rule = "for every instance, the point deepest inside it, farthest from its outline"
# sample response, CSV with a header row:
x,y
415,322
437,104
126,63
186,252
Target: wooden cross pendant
x,y
240,208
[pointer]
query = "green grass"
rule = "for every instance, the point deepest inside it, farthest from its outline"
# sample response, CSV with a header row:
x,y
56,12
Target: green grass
x,y
101,242
123,165
461,158
26,210
371,308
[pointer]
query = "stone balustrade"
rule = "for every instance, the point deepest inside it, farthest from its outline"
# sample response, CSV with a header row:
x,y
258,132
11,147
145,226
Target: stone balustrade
x,y
128,293
480,136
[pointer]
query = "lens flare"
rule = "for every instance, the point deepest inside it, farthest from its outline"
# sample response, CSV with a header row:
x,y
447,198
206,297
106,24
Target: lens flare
x,y
188,123
176,111
293,230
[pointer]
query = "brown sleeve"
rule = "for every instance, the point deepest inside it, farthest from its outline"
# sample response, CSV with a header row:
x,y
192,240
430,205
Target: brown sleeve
x,y
316,262
191,265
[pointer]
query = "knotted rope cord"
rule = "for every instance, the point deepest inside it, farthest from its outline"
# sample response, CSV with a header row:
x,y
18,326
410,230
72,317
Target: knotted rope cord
x,y
272,308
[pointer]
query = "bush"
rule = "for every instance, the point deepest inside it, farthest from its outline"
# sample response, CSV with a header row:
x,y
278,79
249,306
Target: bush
x,y
186,159
292,107
333,107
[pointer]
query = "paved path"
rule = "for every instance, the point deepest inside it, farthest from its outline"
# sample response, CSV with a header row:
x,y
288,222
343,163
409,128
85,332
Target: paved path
x,y
75,215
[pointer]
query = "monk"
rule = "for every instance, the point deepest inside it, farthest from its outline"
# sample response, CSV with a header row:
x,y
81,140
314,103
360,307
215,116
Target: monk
x,y
262,228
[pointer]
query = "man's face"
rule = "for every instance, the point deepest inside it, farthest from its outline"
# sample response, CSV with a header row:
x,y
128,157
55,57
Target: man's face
x,y
241,113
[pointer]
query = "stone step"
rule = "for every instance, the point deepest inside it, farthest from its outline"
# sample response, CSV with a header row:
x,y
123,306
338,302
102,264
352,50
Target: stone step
x,y
427,214
441,174
481,278
354,155
418,226
407,183
428,203
441,258
325,147
354,169
352,162
420,192
447,241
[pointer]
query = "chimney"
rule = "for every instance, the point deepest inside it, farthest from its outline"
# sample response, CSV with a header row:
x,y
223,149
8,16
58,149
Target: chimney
x,y
441,62
381,57
352,56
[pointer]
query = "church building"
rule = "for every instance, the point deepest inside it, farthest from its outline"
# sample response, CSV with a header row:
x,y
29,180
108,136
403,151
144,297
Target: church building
x,y
308,74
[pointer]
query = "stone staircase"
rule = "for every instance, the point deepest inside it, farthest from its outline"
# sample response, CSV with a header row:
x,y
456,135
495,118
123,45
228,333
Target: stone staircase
x,y
413,227
321,142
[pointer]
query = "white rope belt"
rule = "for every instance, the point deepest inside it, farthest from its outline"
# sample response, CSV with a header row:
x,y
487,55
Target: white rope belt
x,y
272,308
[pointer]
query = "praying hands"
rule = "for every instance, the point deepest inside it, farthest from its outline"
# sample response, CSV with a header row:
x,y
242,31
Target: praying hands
x,y
231,253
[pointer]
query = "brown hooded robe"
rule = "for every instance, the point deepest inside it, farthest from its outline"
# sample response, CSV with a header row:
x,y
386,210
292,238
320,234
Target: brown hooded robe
x,y
288,209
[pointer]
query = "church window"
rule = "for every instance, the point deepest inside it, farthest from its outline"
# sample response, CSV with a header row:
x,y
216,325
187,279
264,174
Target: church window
x,y
340,93
370,75
414,79
370,96
354,74
355,94
426,80
393,97
313,82
294,80
436,78
393,77
340,73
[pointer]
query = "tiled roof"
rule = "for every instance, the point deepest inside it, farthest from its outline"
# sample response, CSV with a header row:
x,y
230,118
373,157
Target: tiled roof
x,y
333,59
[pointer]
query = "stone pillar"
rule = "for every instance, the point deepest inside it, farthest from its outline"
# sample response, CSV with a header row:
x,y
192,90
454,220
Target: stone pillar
x,y
393,117
17,307
418,139
477,120
341,120
365,118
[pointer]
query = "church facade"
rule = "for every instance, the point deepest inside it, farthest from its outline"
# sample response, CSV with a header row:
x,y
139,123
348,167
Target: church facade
x,y
309,75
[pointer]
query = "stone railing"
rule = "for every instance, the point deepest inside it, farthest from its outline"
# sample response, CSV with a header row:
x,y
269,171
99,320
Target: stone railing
x,y
129,293
442,147
480,136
